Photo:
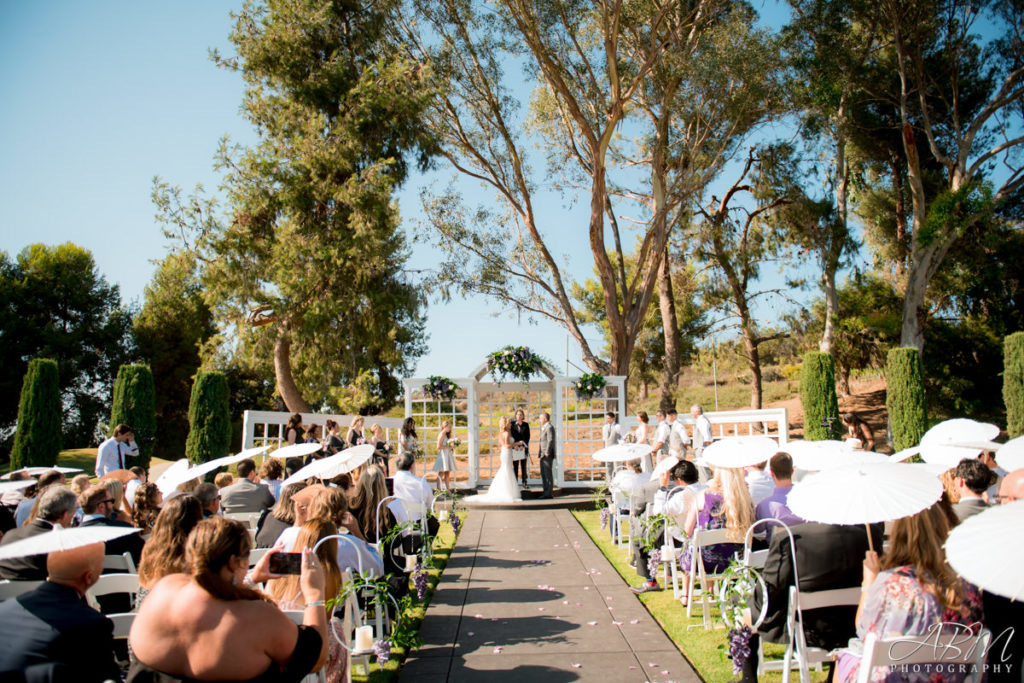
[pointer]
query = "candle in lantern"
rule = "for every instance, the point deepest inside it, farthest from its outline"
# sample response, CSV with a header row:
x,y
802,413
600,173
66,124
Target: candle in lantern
x,y
410,563
442,515
364,638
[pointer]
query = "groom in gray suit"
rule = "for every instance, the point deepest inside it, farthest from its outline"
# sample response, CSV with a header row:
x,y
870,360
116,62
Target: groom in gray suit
x,y
547,455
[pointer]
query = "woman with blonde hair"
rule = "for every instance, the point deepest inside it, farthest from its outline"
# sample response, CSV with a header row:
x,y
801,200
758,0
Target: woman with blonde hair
x,y
209,625
286,591
445,464
164,552
911,591
354,435
725,504
380,447
370,491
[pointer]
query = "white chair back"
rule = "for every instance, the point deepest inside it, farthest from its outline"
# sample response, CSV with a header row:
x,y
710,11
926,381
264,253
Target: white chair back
x,y
122,623
122,562
12,589
256,554
249,519
947,651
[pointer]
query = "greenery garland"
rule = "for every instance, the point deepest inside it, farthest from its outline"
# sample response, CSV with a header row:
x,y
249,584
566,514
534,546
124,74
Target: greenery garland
x,y
513,361
739,582
440,388
590,385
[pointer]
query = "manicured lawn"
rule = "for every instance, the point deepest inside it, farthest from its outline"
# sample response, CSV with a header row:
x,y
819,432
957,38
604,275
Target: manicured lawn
x,y
706,650
443,544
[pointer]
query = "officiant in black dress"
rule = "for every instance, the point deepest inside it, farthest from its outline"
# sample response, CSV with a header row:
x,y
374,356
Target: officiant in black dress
x,y
521,447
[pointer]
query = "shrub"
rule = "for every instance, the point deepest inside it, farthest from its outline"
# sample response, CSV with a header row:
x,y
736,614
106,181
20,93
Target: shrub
x,y
37,441
818,397
134,404
1013,383
905,397
209,418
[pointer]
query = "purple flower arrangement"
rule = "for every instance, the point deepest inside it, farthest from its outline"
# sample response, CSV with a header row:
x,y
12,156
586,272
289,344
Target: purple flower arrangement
x,y
590,385
382,649
739,647
419,580
456,522
653,560
514,361
440,388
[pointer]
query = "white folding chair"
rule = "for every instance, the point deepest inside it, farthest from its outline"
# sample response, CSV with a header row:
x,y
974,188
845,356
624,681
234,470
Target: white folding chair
x,y
122,623
109,584
948,649
249,519
620,502
12,589
797,650
256,554
701,539
122,562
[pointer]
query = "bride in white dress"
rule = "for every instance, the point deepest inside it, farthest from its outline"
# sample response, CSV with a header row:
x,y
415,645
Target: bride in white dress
x,y
504,487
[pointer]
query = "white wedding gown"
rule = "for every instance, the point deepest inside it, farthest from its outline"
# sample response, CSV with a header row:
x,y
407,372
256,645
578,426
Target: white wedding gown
x,y
504,488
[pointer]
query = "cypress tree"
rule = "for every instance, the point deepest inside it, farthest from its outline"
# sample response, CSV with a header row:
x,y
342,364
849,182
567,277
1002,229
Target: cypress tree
x,y
1013,383
818,397
135,405
209,418
905,397
37,441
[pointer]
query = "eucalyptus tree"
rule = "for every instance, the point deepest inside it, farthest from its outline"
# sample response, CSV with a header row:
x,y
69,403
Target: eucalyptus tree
x,y
309,259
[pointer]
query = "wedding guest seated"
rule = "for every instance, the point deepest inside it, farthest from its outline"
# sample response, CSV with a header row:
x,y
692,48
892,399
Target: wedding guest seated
x,y
223,480
910,591
46,480
286,591
725,504
146,507
164,552
277,518
139,478
364,506
189,486
209,498
759,483
684,478
209,625
1004,618
56,505
300,501
414,492
780,466
121,512
827,557
331,504
1012,487
51,634
246,495
272,475
97,508
972,479
13,497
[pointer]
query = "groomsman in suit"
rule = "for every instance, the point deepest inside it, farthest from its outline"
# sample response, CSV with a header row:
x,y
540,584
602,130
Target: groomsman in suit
x,y
521,447
547,455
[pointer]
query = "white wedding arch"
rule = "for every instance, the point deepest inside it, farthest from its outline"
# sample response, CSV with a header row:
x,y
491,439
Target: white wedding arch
x,y
479,406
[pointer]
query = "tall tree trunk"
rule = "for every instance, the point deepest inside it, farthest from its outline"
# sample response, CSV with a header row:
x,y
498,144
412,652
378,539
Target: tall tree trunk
x,y
914,313
901,218
290,393
754,363
844,379
831,310
831,262
670,326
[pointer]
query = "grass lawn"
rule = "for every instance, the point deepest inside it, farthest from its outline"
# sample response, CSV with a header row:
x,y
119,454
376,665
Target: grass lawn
x,y
707,651
443,544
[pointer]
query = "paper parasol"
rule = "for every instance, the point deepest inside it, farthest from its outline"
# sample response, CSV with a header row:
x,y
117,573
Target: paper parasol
x,y
814,456
664,466
622,452
296,450
205,468
949,442
1011,456
739,451
982,551
332,466
62,539
35,471
168,481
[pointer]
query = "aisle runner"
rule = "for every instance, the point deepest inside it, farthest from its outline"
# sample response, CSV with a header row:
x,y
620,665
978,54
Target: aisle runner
x,y
528,597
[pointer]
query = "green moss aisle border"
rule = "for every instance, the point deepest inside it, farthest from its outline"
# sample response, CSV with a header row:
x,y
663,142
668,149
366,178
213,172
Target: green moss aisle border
x,y
705,650
444,543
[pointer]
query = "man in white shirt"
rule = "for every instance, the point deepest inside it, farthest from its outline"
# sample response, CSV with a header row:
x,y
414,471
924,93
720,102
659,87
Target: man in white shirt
x,y
611,434
414,492
701,429
678,439
759,483
659,445
111,454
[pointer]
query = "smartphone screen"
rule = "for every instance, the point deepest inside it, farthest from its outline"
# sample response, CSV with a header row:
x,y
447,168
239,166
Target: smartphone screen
x,y
286,563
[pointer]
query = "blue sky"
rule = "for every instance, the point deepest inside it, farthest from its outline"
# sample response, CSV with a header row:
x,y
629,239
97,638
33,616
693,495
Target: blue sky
x,y
97,98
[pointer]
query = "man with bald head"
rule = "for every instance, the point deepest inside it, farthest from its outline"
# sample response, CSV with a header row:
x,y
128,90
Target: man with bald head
x,y
1004,617
1012,487
51,633
57,505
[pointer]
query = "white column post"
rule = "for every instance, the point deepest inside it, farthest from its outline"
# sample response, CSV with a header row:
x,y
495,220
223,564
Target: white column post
x,y
556,421
473,428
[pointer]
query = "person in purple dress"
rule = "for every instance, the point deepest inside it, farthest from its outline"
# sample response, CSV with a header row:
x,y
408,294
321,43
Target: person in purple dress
x,y
909,592
725,504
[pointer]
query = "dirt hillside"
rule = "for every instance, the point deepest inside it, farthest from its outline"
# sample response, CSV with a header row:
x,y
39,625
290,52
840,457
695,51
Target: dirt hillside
x,y
867,400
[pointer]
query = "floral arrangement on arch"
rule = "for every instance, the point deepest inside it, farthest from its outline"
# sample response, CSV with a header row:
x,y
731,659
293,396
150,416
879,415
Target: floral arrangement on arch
x,y
590,385
440,388
514,361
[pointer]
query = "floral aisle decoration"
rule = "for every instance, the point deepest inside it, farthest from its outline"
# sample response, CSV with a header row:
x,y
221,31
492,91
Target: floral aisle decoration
x,y
518,362
440,388
590,385
739,583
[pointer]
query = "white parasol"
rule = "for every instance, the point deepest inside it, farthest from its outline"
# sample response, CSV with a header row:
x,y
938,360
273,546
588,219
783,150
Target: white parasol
x,y
864,494
332,466
814,456
6,486
739,451
205,468
905,454
949,442
169,480
664,466
1011,456
622,452
62,539
36,471
296,450
982,551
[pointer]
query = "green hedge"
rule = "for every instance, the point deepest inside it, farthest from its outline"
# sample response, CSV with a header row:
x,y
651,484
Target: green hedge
x,y
905,397
1013,383
135,405
818,397
209,418
37,441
